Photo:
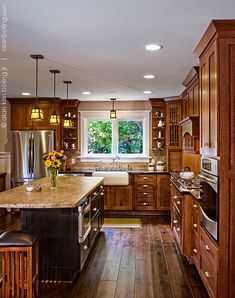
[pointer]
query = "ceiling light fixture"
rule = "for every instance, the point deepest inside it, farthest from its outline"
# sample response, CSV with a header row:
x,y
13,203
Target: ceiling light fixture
x,y
153,47
25,93
67,121
113,112
36,112
149,76
54,118
86,92
147,92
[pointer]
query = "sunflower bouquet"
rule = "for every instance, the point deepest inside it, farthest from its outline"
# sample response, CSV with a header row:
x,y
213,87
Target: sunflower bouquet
x,y
54,159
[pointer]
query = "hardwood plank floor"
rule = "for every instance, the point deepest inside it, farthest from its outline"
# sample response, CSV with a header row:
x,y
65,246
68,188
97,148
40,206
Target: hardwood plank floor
x,y
135,263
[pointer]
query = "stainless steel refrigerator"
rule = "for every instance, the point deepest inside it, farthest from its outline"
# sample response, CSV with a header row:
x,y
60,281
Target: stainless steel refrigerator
x,y
27,150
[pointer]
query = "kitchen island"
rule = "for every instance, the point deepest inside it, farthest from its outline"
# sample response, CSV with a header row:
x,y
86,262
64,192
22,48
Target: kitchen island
x,y
54,215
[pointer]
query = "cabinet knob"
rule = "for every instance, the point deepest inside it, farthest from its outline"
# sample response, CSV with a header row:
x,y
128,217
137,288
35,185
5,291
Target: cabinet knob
x,y
175,221
178,202
101,193
95,229
145,185
178,229
94,193
101,187
145,194
94,209
206,144
175,197
207,274
207,247
195,225
85,247
145,178
145,204
195,206
195,250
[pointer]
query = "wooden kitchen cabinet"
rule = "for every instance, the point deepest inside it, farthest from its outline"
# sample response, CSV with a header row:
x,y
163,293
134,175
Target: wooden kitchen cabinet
x,y
145,192
190,97
181,220
163,192
196,218
20,116
209,102
118,197
208,262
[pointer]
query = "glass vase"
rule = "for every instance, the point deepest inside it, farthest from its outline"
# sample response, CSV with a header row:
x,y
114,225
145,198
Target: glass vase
x,y
53,173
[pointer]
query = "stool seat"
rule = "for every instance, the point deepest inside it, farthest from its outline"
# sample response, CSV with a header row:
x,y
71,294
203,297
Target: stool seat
x,y
17,238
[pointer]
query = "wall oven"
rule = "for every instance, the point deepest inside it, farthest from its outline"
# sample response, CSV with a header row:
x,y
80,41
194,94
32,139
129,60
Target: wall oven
x,y
209,198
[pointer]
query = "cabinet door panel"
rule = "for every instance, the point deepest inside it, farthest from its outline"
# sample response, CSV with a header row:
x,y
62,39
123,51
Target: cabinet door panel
x,y
120,197
213,103
163,192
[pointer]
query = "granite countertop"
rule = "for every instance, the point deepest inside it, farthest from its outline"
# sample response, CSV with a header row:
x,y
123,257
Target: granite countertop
x,y
70,191
129,171
147,172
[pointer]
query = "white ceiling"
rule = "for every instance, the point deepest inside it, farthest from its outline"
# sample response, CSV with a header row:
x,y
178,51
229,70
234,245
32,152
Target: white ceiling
x,y
99,45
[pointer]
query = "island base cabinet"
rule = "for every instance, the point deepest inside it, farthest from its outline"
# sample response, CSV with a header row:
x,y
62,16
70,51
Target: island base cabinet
x,y
57,230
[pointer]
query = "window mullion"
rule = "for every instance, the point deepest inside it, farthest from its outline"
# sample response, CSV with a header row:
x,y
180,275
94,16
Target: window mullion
x,y
115,136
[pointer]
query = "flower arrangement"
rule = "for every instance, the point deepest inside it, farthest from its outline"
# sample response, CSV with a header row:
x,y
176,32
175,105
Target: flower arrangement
x,y
54,159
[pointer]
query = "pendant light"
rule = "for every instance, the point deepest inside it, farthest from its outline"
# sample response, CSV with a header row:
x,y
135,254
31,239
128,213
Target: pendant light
x,y
67,120
36,112
113,113
54,118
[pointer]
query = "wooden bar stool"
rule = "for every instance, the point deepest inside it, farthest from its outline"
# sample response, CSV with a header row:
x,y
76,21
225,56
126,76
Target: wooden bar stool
x,y
19,252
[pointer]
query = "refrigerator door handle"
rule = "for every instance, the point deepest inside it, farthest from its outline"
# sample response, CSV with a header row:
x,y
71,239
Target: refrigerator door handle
x,y
32,159
29,154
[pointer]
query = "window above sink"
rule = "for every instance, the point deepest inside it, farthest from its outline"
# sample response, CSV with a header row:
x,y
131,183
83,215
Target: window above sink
x,y
103,138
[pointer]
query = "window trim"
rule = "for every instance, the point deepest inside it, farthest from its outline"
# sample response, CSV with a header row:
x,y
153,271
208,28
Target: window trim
x,y
121,115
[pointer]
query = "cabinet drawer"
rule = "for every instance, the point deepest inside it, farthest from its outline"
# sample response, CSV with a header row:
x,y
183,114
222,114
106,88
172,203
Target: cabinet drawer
x,y
176,226
84,251
208,249
145,195
196,250
144,187
195,223
145,179
145,205
177,203
209,276
95,206
94,228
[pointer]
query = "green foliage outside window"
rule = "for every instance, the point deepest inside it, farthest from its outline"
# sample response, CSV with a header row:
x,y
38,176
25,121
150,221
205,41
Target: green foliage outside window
x,y
130,137
99,137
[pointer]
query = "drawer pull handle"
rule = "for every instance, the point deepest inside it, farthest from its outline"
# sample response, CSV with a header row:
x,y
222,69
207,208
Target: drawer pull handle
x,y
145,204
175,197
195,225
195,206
94,193
206,144
178,229
101,193
178,202
101,187
207,274
195,250
145,194
94,209
145,185
207,247
175,221
85,247
145,178
95,229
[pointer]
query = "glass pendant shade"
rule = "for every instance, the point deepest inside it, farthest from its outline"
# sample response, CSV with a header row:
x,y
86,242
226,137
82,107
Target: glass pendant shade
x,y
113,112
54,119
67,123
36,113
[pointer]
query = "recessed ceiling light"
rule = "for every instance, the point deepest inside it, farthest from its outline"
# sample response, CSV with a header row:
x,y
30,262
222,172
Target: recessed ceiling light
x,y
25,93
149,76
86,92
147,92
153,47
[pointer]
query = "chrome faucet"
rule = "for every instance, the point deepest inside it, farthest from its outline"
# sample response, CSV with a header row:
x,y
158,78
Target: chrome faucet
x,y
116,158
